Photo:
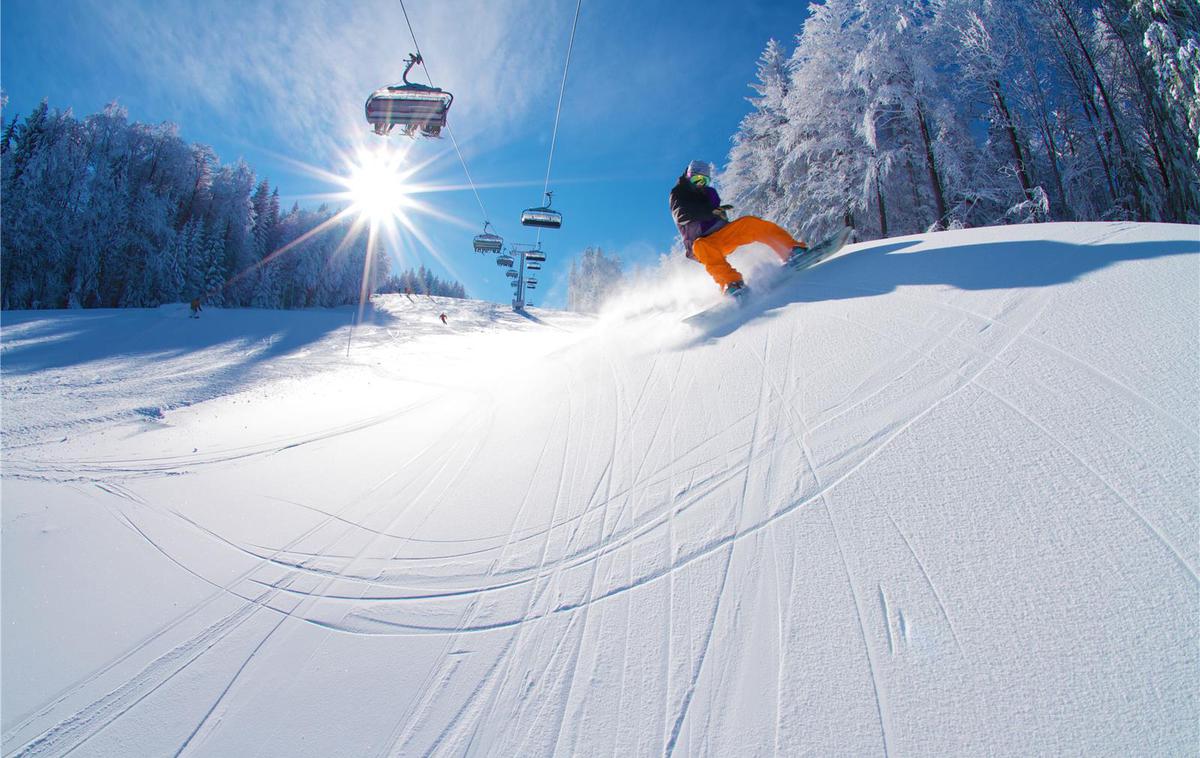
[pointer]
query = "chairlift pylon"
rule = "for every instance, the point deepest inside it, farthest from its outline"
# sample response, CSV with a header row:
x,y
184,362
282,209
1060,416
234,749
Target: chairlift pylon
x,y
543,217
488,242
413,107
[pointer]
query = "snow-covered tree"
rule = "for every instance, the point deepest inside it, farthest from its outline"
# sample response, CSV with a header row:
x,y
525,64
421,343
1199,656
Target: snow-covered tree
x,y
823,145
214,275
1150,53
902,115
104,213
751,180
421,282
594,276
1171,39
987,61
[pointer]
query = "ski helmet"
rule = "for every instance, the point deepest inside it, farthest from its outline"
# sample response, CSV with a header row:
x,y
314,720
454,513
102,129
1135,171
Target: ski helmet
x,y
703,168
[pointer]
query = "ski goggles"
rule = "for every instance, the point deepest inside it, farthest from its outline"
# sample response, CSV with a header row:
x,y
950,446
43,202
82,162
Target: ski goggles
x,y
700,180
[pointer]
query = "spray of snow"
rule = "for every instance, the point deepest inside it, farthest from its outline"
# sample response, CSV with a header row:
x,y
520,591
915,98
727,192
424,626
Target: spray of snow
x,y
679,286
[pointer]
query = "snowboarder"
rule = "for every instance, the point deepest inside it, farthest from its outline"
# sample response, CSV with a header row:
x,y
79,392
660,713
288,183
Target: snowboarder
x,y
710,236
443,318
195,308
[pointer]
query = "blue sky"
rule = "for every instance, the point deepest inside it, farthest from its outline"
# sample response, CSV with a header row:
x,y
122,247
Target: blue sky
x,y
652,85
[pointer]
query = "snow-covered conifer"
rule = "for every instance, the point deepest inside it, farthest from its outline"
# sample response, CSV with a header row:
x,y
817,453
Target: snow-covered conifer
x,y
591,282
750,180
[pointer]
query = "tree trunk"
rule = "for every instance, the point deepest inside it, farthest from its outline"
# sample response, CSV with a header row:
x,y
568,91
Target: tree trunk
x,y
916,195
1090,113
1126,160
1163,139
1087,57
935,182
883,225
1011,131
1047,131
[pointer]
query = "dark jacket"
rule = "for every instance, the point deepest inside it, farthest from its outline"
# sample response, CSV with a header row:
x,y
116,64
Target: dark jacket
x,y
692,208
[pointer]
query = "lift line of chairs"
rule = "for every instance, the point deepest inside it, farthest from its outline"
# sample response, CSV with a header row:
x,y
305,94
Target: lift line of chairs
x,y
543,217
533,261
421,109
494,243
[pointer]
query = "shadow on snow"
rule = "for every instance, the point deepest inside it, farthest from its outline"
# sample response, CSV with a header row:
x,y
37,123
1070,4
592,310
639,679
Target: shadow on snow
x,y
983,266
61,339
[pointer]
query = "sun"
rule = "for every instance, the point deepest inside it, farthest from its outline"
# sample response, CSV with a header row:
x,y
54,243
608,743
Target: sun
x,y
382,196
377,186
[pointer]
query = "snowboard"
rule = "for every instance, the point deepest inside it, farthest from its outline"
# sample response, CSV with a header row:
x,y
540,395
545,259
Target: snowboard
x,y
817,253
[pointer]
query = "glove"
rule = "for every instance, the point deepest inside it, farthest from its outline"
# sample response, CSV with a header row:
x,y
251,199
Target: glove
x,y
722,212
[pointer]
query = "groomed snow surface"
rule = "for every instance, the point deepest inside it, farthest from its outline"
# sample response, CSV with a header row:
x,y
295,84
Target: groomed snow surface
x,y
939,498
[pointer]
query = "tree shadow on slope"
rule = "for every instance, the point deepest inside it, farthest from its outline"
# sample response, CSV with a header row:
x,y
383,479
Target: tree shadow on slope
x,y
215,354
997,265
993,265
48,340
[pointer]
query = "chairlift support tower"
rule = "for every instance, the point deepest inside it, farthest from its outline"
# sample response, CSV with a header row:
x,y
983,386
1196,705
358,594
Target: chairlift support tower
x,y
523,255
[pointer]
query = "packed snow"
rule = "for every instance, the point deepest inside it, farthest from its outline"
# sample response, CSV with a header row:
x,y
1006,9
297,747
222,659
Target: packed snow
x,y
937,498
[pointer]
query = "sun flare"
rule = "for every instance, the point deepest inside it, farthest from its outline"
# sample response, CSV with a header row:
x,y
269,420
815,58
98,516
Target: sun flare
x,y
380,193
377,187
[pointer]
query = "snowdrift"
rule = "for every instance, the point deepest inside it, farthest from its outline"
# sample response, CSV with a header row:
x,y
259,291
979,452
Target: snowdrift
x,y
940,498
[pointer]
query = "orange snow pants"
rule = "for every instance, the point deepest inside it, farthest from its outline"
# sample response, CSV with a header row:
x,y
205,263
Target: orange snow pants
x,y
713,249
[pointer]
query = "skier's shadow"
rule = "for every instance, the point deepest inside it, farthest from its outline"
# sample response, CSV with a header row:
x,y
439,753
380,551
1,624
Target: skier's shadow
x,y
1008,264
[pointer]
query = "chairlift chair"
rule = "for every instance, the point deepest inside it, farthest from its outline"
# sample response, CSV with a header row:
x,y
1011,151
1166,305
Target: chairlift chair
x,y
543,217
537,256
413,107
504,260
533,266
488,242
512,274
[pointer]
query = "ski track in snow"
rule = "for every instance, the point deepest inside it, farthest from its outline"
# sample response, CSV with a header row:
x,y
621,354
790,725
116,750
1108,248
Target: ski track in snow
x,y
597,553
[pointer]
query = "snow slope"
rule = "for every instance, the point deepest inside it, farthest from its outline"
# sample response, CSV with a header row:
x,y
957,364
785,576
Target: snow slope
x,y
941,498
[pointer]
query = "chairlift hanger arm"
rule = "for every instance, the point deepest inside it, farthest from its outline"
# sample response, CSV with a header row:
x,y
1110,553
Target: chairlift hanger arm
x,y
413,59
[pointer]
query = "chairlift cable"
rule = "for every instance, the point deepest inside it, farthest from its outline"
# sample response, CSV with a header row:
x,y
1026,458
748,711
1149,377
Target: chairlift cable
x,y
412,34
562,88
449,130
558,111
467,171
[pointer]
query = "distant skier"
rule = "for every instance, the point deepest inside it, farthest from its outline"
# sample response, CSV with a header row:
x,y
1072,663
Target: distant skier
x,y
443,318
710,236
196,308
